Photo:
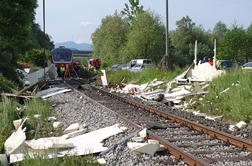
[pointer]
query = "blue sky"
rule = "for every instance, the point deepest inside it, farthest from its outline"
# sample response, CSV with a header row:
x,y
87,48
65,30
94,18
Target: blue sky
x,y
76,20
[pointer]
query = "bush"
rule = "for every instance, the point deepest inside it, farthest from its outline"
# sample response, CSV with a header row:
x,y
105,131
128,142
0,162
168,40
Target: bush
x,y
35,57
6,85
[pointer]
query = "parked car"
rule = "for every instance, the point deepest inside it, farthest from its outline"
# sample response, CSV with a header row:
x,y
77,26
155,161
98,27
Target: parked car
x,y
114,67
137,68
228,64
247,66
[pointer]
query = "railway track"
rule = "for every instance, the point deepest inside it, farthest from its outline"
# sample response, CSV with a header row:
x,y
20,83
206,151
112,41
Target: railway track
x,y
191,142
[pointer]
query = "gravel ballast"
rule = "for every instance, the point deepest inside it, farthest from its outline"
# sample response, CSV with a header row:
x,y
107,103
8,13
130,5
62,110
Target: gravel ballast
x,y
72,108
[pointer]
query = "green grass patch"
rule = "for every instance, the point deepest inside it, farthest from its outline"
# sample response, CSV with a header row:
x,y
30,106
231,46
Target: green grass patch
x,y
7,115
147,75
65,161
235,103
36,128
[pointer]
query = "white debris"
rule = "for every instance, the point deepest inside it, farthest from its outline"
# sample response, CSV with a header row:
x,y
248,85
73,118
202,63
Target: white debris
x,y
51,119
137,139
104,78
179,93
131,88
214,118
49,143
37,116
224,91
83,144
147,148
143,133
57,125
238,126
17,123
51,92
200,73
72,128
241,125
233,128
101,161
15,140
152,141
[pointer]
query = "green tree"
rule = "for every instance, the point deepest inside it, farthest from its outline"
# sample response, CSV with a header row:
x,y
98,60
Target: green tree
x,y
220,30
109,38
236,44
16,18
249,49
146,38
132,9
39,39
183,40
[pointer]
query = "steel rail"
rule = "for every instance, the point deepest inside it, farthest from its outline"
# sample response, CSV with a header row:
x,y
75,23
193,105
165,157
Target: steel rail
x,y
174,150
244,144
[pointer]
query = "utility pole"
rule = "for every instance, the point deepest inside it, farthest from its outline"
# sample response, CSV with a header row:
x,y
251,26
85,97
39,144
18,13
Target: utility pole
x,y
167,32
165,62
45,39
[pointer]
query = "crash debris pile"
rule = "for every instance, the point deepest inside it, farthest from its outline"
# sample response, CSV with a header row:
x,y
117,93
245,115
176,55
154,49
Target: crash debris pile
x,y
76,141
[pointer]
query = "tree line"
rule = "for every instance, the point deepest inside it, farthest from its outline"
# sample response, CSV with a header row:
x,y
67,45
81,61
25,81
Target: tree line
x,y
19,34
138,33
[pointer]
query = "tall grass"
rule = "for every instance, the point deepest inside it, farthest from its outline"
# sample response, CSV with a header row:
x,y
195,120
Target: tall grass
x,y
235,103
65,161
7,115
147,75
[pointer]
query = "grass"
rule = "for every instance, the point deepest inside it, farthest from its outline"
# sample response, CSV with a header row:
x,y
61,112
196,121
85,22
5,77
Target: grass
x,y
147,75
35,127
65,161
7,116
235,103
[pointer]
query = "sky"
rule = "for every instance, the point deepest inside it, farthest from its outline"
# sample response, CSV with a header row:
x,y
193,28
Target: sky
x,y
76,20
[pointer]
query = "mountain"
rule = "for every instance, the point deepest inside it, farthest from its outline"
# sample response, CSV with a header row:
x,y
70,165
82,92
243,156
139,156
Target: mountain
x,y
75,46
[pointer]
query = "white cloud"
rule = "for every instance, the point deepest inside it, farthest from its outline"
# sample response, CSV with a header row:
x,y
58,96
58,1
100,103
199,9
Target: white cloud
x,y
85,23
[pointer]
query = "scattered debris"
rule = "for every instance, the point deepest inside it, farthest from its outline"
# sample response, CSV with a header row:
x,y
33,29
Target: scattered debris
x,y
49,143
241,125
224,91
138,139
148,148
15,140
82,145
77,133
57,125
51,119
51,92
104,78
101,161
238,126
213,118
37,116
17,123
143,133
72,128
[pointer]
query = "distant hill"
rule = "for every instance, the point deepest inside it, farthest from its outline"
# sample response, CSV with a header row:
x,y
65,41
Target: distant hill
x,y
75,46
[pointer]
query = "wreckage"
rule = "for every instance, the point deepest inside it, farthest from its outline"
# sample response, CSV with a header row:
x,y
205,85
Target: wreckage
x,y
200,72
